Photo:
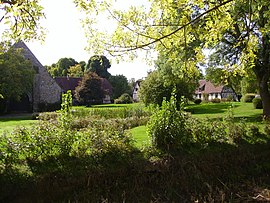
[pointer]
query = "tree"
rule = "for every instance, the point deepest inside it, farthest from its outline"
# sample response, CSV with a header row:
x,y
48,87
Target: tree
x,y
75,71
99,64
238,30
17,75
90,90
120,85
21,19
154,89
61,68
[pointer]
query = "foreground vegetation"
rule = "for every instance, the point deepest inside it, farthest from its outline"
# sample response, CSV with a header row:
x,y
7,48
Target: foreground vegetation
x,y
88,155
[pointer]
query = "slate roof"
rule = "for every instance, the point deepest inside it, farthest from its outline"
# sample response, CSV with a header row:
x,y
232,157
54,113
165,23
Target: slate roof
x,y
70,83
27,53
208,87
107,86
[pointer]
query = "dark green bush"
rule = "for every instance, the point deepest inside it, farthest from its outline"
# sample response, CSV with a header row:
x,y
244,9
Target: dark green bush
x,y
197,101
248,98
257,103
124,99
43,107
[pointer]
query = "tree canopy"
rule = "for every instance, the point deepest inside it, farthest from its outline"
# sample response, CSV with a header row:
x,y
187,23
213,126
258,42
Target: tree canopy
x,y
120,85
90,90
99,64
237,30
62,67
21,19
17,75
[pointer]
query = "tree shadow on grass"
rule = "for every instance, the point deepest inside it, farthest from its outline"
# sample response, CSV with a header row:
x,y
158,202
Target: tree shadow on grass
x,y
210,108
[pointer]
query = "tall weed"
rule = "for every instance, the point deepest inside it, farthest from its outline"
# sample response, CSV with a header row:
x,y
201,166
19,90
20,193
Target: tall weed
x,y
168,127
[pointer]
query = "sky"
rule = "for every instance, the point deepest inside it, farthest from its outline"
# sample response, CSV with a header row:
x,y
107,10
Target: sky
x,y
65,38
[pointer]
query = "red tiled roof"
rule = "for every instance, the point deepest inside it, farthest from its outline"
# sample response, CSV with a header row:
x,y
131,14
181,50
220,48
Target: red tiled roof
x,y
208,88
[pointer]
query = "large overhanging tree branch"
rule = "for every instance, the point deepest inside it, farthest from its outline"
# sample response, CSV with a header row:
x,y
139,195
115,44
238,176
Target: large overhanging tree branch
x,y
143,28
20,19
238,29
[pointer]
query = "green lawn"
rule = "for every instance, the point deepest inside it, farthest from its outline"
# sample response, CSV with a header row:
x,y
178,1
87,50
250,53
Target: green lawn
x,y
139,134
217,110
211,111
204,110
9,123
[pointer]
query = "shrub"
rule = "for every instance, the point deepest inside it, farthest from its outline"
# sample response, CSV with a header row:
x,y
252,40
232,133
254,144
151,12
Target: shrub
x,y
248,98
124,99
168,127
215,100
257,103
224,100
197,101
46,116
229,98
43,107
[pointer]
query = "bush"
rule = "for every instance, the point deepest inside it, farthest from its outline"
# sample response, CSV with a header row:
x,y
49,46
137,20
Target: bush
x,y
248,98
257,103
197,101
224,100
168,127
43,107
215,100
124,99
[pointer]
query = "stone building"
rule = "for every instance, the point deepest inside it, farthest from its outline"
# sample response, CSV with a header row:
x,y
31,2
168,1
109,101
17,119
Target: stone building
x,y
46,93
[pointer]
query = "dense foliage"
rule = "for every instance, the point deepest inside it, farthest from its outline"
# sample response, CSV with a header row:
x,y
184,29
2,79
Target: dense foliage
x,y
90,90
237,31
120,85
124,99
155,88
99,64
168,127
17,76
257,103
248,97
88,153
21,19
62,67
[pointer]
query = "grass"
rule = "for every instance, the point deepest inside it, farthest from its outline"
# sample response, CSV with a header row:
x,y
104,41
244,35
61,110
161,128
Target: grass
x,y
220,173
204,110
211,111
140,137
11,122
217,110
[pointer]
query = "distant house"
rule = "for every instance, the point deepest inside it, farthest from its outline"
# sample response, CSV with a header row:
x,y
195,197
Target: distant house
x,y
208,91
45,94
107,87
70,83
135,91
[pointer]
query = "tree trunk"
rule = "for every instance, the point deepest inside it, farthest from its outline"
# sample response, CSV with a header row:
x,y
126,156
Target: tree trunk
x,y
263,75
265,95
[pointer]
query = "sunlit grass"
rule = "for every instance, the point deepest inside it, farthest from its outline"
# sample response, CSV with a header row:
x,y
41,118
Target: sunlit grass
x,y
218,110
140,136
8,124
